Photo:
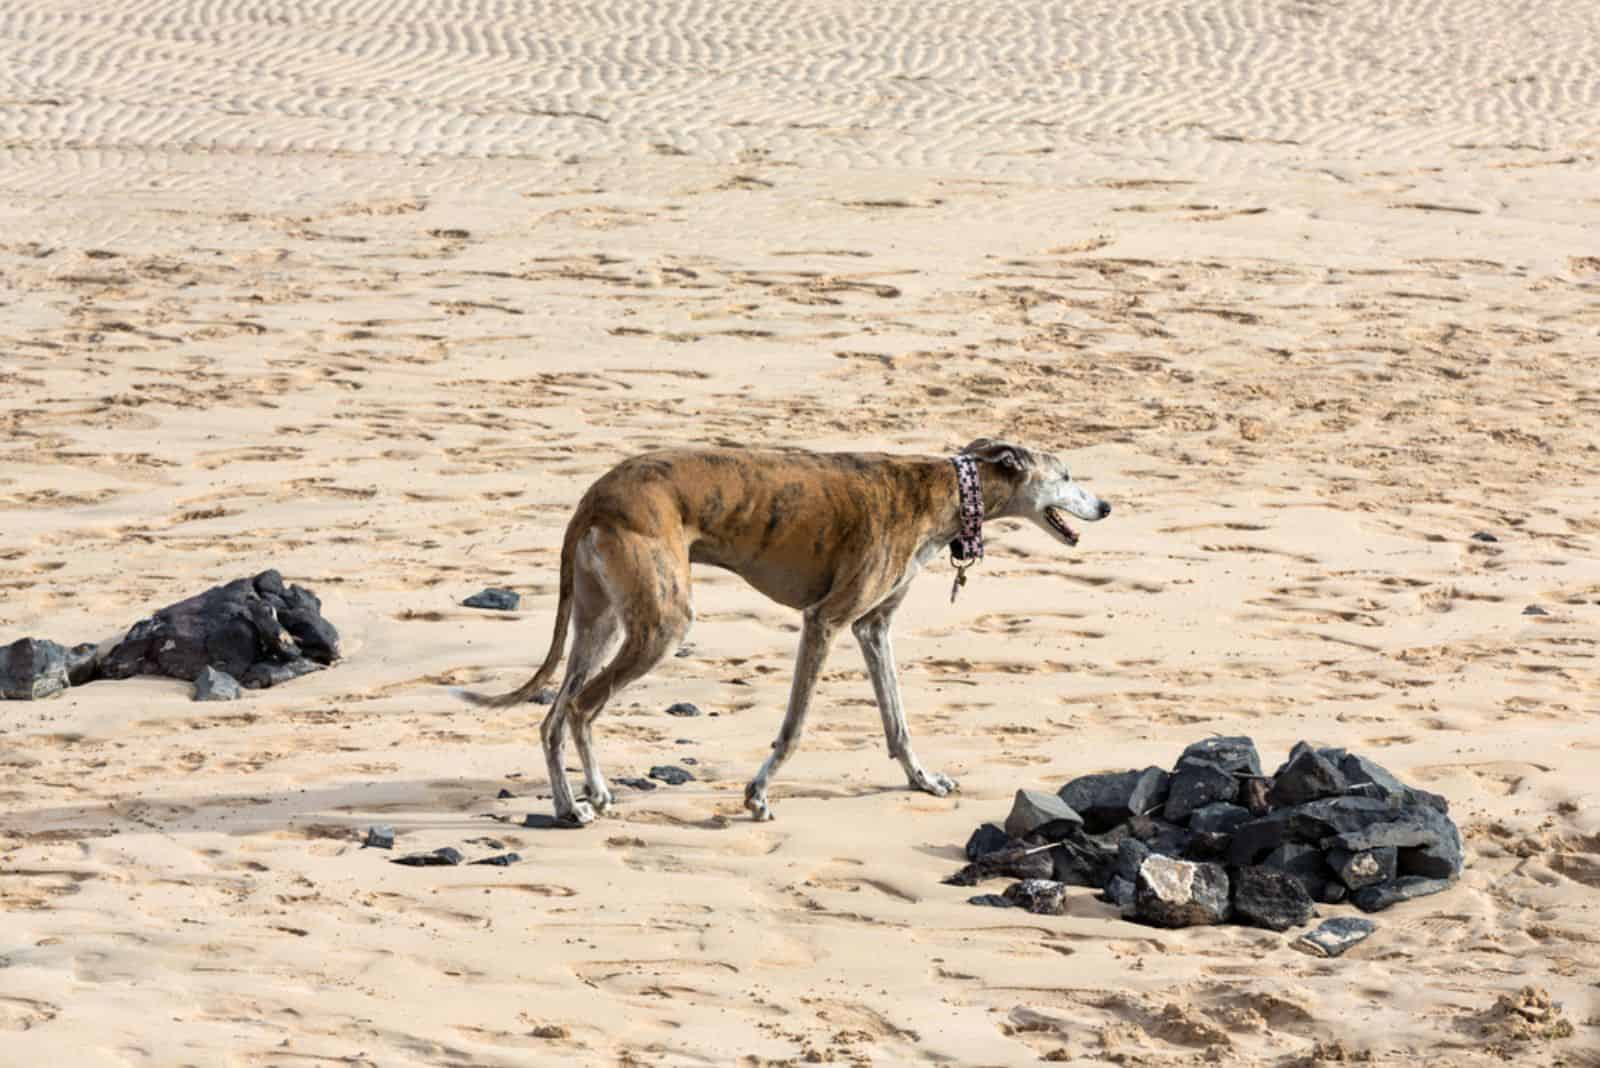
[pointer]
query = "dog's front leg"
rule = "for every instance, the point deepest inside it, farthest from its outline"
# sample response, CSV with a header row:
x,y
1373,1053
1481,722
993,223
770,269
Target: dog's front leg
x,y
872,632
816,636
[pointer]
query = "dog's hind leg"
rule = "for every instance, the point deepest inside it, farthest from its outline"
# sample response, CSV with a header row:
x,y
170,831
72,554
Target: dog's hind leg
x,y
594,627
872,632
816,637
648,586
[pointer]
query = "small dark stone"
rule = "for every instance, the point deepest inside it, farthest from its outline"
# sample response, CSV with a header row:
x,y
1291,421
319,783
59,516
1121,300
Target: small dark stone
x,y
545,696
1255,839
1119,892
636,783
32,669
1081,860
1236,754
1377,898
692,761
1484,535
1045,897
1131,852
1195,784
262,674
1107,799
1219,817
83,663
495,599
1306,776
504,794
214,685
380,836
994,901
1534,610
1332,937
500,860
1305,863
683,708
449,856
1036,812
1162,837
1363,868
1207,845
1333,893
1369,779
1018,859
545,821
986,839
1180,893
672,776
1265,897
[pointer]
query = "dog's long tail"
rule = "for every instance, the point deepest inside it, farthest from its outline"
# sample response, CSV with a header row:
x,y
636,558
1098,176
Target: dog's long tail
x,y
558,640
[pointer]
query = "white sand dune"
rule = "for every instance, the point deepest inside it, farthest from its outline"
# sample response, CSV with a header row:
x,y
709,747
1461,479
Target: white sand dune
x,y
369,292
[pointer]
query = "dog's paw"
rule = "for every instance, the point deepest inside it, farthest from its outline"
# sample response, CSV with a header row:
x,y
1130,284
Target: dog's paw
x,y
582,814
757,804
936,783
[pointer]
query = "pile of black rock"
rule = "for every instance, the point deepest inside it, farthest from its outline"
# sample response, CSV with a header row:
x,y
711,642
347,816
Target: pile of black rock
x,y
253,632
1216,841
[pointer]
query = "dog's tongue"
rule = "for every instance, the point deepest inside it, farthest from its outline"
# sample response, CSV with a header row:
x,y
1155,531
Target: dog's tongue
x,y
1060,520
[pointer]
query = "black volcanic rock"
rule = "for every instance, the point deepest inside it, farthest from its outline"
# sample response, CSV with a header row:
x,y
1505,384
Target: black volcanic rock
x,y
986,839
1110,798
1036,812
1196,784
1405,888
1307,775
32,669
1180,893
1237,754
249,623
1263,897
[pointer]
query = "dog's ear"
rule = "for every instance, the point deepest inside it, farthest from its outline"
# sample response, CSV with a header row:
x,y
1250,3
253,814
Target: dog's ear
x,y
1008,457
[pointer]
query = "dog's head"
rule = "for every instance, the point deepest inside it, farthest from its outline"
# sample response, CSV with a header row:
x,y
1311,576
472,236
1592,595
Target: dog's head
x,y
1041,488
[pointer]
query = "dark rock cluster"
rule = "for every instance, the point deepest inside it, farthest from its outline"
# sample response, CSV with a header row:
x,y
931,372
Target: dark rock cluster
x,y
1215,840
256,630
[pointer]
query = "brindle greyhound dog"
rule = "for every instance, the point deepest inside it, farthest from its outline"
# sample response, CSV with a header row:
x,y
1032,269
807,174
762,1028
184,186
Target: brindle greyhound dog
x,y
838,536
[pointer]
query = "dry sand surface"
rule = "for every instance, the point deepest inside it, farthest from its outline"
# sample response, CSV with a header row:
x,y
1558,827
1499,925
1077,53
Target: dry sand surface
x,y
370,291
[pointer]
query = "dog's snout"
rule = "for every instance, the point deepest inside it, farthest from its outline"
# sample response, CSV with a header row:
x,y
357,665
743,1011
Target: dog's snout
x,y
1105,509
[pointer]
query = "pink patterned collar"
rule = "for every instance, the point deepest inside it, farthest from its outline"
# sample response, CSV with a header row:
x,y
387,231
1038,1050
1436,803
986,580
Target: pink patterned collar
x,y
967,548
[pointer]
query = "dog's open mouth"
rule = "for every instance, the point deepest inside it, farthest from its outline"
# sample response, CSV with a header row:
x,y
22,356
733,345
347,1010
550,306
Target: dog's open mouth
x,y
1059,522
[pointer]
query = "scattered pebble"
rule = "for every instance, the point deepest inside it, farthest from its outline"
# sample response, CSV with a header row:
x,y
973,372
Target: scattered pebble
x,y
1534,610
500,860
504,794
636,783
995,901
214,685
1333,937
379,836
683,708
672,776
446,856
494,598
1484,535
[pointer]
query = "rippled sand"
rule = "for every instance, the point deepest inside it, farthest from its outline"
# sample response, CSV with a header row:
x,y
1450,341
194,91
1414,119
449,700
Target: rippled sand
x,y
369,292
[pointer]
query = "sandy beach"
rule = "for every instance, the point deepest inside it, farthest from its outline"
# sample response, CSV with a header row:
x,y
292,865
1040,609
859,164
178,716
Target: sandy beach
x,y
370,292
